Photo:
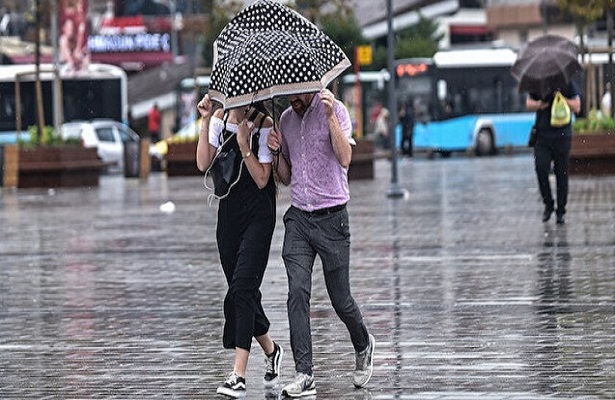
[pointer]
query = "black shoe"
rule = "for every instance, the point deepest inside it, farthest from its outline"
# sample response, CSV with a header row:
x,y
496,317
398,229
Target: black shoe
x,y
546,215
272,366
561,220
234,387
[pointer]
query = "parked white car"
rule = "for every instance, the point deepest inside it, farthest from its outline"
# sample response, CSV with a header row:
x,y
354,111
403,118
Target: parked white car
x,y
187,132
108,136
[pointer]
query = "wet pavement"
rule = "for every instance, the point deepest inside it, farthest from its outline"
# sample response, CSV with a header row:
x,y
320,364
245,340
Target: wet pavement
x,y
469,295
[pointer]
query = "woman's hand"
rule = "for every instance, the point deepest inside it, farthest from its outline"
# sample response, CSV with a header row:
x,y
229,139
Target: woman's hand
x,y
243,135
205,151
205,107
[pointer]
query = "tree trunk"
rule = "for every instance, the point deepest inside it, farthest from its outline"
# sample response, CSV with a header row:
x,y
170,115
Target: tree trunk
x,y
611,73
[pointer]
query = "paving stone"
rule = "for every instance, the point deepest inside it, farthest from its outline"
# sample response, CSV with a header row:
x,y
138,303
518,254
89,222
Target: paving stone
x,y
468,294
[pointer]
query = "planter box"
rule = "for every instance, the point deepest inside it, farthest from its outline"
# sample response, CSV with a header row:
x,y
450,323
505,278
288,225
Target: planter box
x,y
181,159
593,154
10,166
51,167
362,163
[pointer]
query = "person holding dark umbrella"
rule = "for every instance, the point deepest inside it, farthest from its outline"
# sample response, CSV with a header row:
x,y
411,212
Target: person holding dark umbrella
x,y
553,146
543,68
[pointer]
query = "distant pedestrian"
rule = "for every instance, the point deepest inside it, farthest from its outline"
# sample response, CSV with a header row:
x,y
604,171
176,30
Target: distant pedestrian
x,y
312,151
605,103
406,120
246,220
382,128
153,123
553,146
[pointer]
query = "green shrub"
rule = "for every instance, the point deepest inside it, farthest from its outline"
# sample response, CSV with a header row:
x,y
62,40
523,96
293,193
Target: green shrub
x,y
49,137
593,123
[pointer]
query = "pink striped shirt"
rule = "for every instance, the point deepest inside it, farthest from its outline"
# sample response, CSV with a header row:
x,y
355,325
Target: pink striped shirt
x,y
317,178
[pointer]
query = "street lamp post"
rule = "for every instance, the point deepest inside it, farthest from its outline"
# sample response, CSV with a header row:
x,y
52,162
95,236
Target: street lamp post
x,y
57,116
174,41
394,190
37,62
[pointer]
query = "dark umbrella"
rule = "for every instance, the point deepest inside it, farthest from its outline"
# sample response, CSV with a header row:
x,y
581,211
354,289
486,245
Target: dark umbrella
x,y
269,50
546,64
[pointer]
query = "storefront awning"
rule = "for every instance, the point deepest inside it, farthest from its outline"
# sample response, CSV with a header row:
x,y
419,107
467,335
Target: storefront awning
x,y
469,30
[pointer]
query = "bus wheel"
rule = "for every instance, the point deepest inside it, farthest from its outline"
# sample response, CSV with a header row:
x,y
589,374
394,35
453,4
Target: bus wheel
x,y
484,143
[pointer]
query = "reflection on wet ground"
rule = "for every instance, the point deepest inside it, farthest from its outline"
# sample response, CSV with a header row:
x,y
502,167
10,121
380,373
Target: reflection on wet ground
x,y
468,294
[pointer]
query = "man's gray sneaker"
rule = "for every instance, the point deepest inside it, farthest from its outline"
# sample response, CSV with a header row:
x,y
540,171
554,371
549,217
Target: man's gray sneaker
x,y
272,366
364,364
303,385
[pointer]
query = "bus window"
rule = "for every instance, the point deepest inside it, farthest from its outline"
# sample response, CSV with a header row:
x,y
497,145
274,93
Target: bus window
x,y
421,109
442,90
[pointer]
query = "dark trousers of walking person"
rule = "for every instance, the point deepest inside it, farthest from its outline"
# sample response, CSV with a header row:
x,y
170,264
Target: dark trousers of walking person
x,y
306,235
556,150
406,144
244,239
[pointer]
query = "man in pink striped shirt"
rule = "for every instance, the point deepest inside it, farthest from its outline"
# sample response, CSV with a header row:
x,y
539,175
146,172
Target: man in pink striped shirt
x,y
312,150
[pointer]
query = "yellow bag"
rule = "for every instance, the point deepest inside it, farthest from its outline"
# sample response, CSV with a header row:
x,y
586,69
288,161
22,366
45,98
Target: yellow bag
x,y
560,111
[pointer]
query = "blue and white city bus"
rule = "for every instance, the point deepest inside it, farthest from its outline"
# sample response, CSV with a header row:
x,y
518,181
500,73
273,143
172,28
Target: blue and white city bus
x,y
464,100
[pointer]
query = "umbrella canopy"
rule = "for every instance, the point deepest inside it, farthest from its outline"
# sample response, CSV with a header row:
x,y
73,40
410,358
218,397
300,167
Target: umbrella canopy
x,y
546,64
269,50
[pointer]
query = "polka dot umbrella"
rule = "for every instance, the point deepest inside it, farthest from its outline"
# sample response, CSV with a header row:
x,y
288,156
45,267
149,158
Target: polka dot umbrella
x,y
269,50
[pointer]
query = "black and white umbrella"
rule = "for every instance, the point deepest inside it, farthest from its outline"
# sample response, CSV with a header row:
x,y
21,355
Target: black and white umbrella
x,y
269,50
546,64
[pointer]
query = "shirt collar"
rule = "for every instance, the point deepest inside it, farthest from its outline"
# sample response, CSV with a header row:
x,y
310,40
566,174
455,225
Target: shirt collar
x,y
313,104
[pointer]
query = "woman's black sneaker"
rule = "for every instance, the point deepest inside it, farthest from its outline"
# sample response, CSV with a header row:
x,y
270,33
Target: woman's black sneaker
x,y
272,366
234,387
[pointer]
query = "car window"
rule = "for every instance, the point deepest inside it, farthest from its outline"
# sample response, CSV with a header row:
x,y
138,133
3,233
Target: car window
x,y
126,135
105,134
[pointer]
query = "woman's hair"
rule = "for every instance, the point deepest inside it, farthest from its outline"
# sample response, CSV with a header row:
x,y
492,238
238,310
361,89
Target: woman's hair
x,y
261,107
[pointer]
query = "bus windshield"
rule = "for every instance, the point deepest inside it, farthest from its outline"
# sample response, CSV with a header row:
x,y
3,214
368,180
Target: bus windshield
x,y
99,92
